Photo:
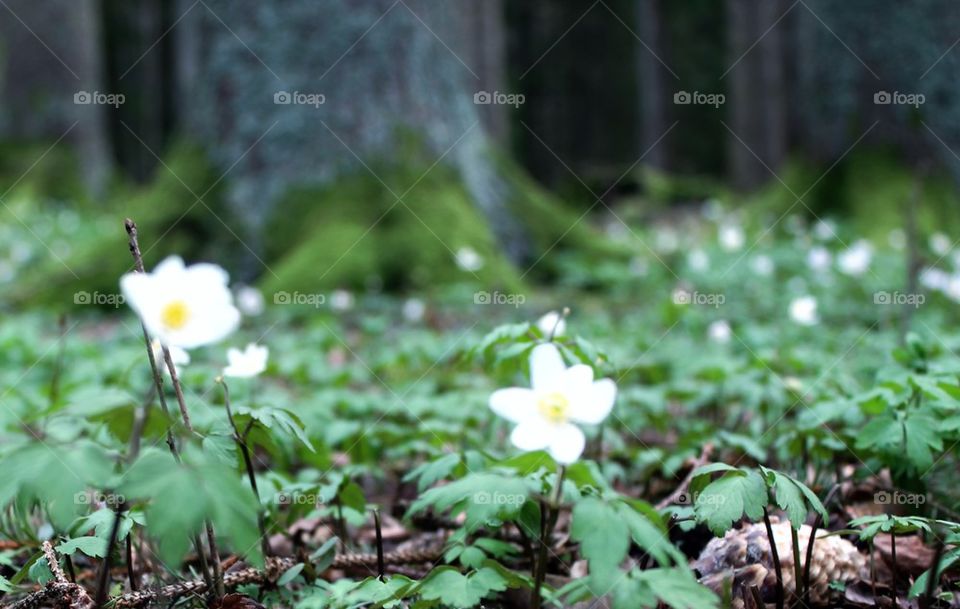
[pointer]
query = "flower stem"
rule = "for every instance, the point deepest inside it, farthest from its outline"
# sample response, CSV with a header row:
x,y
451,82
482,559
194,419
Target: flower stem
x,y
131,227
240,439
178,389
548,520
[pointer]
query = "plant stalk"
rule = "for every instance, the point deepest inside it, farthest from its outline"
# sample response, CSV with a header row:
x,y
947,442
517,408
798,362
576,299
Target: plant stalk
x,y
776,558
240,439
548,519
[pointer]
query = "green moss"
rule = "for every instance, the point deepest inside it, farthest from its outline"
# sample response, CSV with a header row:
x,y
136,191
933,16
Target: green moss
x,y
350,233
169,222
878,187
354,232
40,170
663,188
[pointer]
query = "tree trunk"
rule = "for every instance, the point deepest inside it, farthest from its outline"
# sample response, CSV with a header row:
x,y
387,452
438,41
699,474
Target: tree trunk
x,y
50,52
652,84
305,93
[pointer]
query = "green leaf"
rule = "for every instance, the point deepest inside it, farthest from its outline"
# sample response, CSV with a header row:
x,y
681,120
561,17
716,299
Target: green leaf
x,y
649,532
729,498
678,589
454,589
290,574
91,546
472,557
656,588
793,497
921,436
278,420
882,431
429,473
182,496
482,497
604,540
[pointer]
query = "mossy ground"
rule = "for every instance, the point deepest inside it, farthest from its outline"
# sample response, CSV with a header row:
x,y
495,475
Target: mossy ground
x,y
352,233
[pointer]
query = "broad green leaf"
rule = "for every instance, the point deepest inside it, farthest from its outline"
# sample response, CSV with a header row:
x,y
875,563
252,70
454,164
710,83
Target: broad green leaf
x,y
604,540
91,546
453,589
729,498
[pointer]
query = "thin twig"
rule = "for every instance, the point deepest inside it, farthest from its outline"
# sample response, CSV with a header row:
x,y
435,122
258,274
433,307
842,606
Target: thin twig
x,y
275,568
131,228
215,560
53,563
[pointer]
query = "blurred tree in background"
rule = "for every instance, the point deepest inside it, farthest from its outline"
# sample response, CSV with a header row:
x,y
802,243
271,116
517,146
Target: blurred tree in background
x,y
403,164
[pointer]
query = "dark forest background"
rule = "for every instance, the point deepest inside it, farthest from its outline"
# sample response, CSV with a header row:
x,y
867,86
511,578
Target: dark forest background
x,y
400,150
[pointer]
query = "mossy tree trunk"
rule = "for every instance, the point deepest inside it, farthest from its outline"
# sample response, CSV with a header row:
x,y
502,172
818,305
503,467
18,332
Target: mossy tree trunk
x,y
366,81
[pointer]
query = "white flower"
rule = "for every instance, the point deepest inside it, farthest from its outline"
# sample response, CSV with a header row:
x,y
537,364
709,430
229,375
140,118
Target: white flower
x,y
762,265
468,259
178,356
803,310
719,331
666,241
552,324
698,260
731,237
824,230
341,300
414,309
249,300
952,289
249,362
560,396
818,258
934,279
182,306
940,244
855,260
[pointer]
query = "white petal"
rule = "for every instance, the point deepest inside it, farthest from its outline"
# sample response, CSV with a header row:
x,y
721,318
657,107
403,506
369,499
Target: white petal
x,y
578,377
234,356
593,406
138,290
171,266
546,367
208,273
531,435
566,443
514,404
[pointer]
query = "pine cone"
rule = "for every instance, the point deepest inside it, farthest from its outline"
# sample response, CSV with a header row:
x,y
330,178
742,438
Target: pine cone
x,y
743,555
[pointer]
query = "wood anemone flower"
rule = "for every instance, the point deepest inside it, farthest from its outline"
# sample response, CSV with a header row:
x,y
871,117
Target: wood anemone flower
x,y
182,306
558,398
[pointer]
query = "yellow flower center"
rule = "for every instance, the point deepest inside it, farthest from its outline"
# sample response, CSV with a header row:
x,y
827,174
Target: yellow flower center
x,y
554,407
175,314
